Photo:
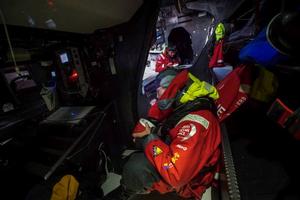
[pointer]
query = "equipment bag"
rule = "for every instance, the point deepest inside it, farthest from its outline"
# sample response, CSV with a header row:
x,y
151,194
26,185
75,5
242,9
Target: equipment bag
x,y
65,189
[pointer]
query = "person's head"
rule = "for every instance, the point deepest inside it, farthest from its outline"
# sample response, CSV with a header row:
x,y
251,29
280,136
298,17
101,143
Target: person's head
x,y
160,91
163,81
175,88
172,82
171,50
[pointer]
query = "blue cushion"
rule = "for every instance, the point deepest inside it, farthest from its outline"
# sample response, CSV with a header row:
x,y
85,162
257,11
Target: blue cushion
x,y
261,52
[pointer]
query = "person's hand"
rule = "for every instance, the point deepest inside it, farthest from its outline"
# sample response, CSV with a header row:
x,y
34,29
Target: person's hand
x,y
145,132
173,65
152,102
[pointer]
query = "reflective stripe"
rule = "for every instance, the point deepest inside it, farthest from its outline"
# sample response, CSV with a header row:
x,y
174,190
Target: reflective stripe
x,y
195,118
208,87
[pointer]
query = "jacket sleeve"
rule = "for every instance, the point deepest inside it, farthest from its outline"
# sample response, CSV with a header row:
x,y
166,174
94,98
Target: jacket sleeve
x,y
192,147
160,63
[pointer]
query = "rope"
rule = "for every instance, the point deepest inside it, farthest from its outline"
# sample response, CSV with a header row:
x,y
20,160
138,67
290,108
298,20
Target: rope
x,y
9,43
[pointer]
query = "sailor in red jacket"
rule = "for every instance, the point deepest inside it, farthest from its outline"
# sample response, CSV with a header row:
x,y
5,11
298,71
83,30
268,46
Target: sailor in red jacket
x,y
183,155
167,59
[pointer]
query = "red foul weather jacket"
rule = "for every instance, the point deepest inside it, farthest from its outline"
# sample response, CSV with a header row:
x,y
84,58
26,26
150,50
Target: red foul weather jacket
x,y
217,59
195,146
188,164
164,61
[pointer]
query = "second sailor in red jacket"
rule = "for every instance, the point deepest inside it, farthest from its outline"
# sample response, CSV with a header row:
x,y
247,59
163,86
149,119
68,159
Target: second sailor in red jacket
x,y
167,59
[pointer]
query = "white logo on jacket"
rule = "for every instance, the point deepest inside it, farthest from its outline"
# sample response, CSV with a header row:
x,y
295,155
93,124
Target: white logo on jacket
x,y
179,146
186,132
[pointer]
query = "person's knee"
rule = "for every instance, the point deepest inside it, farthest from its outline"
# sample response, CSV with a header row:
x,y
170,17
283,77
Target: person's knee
x,y
135,166
138,173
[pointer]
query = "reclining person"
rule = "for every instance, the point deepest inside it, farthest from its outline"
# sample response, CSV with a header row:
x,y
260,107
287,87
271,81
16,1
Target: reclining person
x,y
182,155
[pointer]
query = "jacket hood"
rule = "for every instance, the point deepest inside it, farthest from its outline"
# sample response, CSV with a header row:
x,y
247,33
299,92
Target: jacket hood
x,y
184,88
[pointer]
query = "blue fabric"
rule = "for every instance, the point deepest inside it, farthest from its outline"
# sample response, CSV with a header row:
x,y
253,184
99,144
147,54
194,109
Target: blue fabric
x,y
222,72
261,52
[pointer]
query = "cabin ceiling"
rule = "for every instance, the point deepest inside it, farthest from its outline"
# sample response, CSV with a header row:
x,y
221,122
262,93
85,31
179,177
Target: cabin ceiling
x,y
68,15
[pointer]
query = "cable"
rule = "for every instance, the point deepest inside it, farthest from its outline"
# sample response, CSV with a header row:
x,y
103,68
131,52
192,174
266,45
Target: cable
x,y
9,43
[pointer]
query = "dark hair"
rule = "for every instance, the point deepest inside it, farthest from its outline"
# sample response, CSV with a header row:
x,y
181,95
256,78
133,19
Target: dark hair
x,y
171,47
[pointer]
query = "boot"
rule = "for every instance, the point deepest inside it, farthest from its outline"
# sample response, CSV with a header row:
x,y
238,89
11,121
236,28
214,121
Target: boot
x,y
120,193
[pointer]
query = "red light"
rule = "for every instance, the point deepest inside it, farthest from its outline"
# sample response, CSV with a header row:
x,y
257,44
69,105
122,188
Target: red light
x,y
51,3
74,76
